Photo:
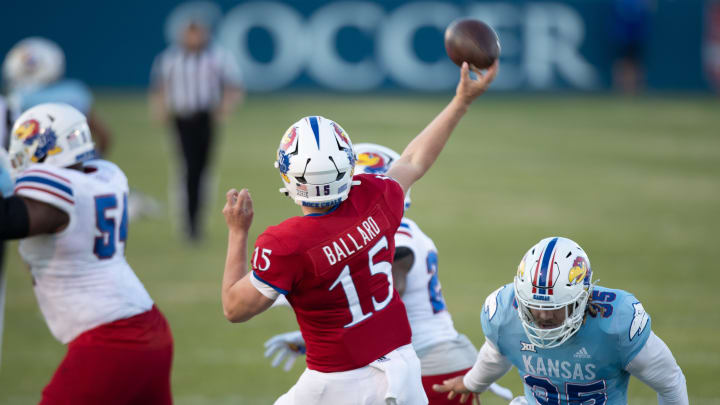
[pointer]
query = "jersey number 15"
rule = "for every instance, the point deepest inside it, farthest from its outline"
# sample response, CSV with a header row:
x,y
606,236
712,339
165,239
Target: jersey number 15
x,y
351,294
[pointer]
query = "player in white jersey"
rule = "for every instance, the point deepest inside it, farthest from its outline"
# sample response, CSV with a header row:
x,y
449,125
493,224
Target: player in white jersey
x,y
71,214
444,353
573,343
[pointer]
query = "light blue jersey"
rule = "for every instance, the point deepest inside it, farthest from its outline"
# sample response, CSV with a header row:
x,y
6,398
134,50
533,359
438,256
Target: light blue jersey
x,y
68,91
587,369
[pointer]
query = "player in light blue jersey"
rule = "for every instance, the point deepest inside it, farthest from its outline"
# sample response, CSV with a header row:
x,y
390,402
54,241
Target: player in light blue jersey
x,y
33,72
572,342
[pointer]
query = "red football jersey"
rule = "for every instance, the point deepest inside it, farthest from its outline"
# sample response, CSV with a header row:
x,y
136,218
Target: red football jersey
x,y
335,269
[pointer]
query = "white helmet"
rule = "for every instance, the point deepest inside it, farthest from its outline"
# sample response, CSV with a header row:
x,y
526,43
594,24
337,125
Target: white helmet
x,y
316,162
52,133
33,61
376,159
553,274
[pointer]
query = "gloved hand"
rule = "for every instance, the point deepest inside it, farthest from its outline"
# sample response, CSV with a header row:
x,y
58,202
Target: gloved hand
x,y
6,183
287,346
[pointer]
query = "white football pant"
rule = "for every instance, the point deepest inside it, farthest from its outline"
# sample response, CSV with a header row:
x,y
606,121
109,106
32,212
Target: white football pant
x,y
393,380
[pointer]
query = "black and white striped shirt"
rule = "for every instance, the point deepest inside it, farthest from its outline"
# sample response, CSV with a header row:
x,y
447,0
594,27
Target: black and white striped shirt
x,y
194,81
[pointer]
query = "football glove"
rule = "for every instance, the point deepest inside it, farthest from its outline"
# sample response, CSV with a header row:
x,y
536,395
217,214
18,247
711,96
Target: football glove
x,y
285,346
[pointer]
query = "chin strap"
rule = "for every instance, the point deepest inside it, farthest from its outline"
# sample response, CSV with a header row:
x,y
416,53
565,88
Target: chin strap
x,y
284,191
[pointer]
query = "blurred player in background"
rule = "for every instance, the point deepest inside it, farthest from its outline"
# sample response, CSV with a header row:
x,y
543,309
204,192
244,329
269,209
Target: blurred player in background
x,y
572,341
194,84
6,187
334,263
33,71
71,214
443,352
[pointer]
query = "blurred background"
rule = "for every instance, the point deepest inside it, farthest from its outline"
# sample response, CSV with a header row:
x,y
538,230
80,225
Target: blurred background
x,y
603,126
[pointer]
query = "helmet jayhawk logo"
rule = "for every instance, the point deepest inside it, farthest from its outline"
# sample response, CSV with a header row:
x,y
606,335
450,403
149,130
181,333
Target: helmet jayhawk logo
x,y
283,164
288,138
373,162
578,271
341,134
29,132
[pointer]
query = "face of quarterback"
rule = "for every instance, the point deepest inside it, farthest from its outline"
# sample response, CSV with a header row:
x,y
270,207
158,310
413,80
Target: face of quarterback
x,y
195,37
548,319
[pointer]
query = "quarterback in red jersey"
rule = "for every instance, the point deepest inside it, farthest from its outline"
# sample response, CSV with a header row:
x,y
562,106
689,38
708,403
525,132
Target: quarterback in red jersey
x,y
334,263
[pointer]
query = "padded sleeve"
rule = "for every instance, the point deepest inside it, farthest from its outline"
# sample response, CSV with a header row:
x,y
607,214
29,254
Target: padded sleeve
x,y
47,184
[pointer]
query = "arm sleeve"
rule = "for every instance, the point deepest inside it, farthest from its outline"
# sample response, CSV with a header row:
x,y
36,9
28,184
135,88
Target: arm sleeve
x,y
655,366
489,366
43,183
275,268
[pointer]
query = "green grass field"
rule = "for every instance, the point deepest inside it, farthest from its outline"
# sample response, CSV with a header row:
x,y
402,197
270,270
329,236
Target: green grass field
x,y
635,181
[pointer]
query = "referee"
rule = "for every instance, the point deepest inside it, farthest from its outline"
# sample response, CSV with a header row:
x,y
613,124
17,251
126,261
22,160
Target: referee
x,y
194,84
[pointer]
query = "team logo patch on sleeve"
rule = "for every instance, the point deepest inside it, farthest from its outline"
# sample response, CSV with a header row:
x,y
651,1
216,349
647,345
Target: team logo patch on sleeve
x,y
491,303
640,319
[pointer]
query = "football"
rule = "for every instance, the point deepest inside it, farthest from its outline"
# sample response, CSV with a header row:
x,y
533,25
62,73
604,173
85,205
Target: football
x,y
473,41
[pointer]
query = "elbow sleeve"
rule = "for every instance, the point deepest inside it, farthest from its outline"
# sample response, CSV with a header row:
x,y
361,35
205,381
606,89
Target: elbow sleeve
x,y
14,218
489,366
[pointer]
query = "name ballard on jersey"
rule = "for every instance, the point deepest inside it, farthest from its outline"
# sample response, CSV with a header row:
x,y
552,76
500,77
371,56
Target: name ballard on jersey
x,y
344,246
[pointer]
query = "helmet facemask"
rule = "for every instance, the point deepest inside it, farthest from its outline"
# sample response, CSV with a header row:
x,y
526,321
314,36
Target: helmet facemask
x,y
554,274
548,338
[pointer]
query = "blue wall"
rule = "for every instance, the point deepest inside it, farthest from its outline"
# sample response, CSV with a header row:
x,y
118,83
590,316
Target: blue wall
x,y
367,45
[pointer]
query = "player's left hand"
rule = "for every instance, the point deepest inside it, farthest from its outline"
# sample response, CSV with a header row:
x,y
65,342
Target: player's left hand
x,y
238,210
288,346
455,386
